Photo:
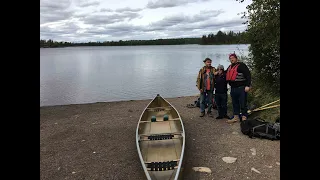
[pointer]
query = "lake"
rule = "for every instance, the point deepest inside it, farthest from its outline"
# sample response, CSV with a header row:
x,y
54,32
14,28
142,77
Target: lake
x,y
77,75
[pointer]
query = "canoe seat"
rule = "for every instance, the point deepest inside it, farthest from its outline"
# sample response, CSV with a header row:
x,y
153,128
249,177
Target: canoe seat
x,y
162,166
160,137
155,137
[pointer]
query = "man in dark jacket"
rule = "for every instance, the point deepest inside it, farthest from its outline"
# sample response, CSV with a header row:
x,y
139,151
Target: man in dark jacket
x,y
205,83
239,78
221,89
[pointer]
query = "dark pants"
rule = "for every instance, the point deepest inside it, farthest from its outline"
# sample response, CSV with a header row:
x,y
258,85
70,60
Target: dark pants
x,y
221,101
239,101
206,97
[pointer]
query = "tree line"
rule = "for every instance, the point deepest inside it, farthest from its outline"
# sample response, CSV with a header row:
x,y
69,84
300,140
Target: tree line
x,y
210,39
224,38
50,43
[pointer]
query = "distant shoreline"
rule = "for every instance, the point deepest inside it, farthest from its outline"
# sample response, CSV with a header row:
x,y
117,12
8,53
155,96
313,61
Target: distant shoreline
x,y
142,45
220,38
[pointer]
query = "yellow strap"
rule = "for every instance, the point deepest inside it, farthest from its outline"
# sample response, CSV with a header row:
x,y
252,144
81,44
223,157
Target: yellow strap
x,y
265,107
258,109
269,104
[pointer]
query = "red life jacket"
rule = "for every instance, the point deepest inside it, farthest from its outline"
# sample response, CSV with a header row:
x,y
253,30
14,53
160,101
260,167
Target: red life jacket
x,y
232,73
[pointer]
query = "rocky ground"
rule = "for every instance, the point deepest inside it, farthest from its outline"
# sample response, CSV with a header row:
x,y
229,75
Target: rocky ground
x,y
97,141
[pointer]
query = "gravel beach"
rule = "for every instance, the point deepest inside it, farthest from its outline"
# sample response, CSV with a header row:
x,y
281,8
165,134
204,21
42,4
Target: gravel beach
x,y
97,141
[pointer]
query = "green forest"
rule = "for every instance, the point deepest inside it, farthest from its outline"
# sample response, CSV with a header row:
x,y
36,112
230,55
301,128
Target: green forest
x,y
210,39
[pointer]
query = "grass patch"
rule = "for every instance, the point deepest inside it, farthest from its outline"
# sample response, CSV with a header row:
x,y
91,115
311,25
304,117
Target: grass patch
x,y
256,100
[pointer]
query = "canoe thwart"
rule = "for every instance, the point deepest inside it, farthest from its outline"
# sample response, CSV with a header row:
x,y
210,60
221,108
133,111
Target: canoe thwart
x,y
161,166
157,109
174,133
175,119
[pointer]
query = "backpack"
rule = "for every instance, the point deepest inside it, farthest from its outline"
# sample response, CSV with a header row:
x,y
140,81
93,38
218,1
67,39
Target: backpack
x,y
261,129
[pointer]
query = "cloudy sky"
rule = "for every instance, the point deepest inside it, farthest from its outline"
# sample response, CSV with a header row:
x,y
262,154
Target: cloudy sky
x,y
107,20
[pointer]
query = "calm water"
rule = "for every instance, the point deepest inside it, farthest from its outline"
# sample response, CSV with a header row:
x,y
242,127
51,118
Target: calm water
x,y
79,75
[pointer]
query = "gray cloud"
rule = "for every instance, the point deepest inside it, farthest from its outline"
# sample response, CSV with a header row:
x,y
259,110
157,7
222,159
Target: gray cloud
x,y
86,3
121,10
170,3
125,31
48,5
175,27
114,24
181,21
67,28
115,30
127,9
109,19
218,25
66,32
53,17
206,14
106,10
51,11
81,15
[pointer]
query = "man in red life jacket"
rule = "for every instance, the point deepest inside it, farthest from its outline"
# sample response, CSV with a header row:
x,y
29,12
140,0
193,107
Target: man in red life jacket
x,y
239,78
205,83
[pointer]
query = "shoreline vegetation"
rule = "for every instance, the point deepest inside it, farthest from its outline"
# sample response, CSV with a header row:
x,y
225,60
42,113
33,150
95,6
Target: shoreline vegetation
x,y
221,38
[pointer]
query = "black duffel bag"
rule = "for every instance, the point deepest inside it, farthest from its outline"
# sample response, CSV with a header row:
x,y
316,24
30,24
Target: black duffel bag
x,y
259,128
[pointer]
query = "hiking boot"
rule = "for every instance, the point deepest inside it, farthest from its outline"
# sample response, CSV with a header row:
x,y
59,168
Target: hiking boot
x,y
202,114
210,114
226,116
219,117
243,118
234,119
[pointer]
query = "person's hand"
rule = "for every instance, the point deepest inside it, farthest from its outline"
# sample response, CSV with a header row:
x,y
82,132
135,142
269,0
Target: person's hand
x,y
246,89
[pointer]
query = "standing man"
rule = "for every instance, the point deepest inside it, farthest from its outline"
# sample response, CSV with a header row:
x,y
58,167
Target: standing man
x,y
205,83
221,89
239,78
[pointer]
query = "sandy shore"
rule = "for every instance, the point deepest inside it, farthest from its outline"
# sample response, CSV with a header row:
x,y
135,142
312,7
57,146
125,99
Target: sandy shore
x,y
97,141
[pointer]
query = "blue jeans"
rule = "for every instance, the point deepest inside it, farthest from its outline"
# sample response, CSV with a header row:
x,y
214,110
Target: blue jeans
x,y
206,97
221,101
239,101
